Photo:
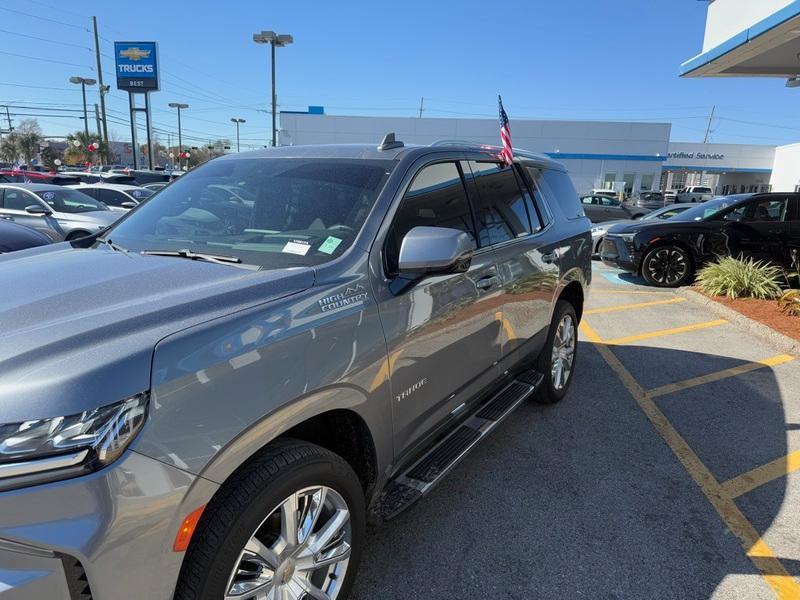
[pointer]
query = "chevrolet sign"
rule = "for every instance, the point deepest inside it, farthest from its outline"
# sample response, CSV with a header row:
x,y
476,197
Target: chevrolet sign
x,y
137,66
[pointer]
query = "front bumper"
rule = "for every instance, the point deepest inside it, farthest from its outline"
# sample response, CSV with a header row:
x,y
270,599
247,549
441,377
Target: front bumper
x,y
109,533
616,252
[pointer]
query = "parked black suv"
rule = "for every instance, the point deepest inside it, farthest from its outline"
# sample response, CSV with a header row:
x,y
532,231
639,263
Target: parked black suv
x,y
667,253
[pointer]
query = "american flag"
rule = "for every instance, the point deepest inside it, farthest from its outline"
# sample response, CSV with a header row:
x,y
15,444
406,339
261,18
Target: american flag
x,y
507,154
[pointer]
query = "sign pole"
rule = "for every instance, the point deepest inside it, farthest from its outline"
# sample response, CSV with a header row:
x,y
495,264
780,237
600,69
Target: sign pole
x,y
133,129
149,131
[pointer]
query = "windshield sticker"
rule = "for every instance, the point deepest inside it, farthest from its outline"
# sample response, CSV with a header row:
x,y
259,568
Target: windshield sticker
x,y
330,245
49,195
297,247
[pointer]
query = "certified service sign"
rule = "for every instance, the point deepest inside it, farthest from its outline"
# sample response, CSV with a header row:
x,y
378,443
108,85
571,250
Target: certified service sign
x,y
137,66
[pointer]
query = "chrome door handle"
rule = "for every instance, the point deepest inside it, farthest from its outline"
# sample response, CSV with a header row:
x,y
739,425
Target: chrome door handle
x,y
487,283
550,257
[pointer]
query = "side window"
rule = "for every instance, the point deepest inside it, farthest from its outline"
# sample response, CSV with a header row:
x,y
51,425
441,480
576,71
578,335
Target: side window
x,y
767,210
605,201
563,193
587,199
16,200
436,198
501,209
91,192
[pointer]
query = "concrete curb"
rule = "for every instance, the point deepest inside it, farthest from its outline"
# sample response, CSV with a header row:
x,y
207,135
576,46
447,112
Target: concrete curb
x,y
781,342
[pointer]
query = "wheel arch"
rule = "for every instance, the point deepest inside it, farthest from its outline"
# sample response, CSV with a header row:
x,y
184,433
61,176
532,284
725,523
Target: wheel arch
x,y
573,293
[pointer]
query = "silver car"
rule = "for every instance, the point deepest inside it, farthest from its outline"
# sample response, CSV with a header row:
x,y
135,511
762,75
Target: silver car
x,y
117,196
210,399
59,212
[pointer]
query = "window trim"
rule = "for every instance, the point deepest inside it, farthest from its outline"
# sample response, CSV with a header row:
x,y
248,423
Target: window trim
x,y
401,194
530,184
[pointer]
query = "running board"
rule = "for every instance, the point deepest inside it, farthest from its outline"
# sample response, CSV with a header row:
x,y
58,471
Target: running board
x,y
421,476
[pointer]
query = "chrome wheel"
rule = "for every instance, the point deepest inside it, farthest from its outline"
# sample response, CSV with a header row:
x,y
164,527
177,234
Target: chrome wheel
x,y
299,552
667,266
563,352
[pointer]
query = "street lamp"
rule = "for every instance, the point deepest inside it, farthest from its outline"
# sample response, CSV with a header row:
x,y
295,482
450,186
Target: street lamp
x,y
274,40
83,81
179,106
237,121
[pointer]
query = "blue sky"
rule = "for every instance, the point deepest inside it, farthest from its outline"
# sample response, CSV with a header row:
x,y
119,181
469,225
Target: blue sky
x,y
576,59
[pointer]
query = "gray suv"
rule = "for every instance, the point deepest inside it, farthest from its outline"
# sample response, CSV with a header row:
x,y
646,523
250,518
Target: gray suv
x,y
211,398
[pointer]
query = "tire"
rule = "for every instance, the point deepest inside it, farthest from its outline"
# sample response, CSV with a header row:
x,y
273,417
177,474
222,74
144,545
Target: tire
x,y
667,266
252,503
551,390
76,235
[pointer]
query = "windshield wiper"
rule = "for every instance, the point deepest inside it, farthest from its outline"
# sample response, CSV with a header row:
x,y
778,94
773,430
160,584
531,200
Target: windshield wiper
x,y
113,246
213,258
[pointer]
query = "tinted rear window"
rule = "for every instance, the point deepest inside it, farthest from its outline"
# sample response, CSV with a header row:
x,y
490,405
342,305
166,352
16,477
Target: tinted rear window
x,y
563,193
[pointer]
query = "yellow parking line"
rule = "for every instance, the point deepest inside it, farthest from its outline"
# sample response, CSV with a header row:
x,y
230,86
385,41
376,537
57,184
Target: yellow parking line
x,y
747,482
724,374
621,307
762,556
663,332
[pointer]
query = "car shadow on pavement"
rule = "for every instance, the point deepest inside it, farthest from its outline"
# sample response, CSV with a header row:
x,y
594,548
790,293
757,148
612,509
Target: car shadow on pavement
x,y
584,498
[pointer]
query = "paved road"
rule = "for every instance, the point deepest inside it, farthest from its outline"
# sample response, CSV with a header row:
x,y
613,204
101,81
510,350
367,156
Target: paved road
x,y
632,486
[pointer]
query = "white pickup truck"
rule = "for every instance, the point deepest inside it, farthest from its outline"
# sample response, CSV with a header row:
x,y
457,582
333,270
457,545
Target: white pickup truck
x,y
695,193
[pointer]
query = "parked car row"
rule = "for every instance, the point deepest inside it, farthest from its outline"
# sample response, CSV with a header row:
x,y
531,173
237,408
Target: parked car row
x,y
668,253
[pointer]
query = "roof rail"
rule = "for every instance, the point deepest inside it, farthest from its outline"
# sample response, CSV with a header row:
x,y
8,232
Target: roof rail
x,y
388,142
478,146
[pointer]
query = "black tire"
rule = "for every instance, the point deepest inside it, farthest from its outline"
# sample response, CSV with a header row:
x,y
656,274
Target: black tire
x,y
246,500
76,235
548,392
667,266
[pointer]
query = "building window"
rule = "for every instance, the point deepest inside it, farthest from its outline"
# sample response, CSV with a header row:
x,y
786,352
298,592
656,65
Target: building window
x,y
628,179
647,182
678,181
608,181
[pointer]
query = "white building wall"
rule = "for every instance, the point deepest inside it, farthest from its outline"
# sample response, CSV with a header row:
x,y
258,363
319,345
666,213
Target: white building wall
x,y
726,18
581,138
786,170
720,156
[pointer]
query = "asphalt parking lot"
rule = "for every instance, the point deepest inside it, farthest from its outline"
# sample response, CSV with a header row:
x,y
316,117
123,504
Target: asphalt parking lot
x,y
671,470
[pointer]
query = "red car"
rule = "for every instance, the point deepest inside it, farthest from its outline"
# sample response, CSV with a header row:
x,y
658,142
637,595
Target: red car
x,y
38,177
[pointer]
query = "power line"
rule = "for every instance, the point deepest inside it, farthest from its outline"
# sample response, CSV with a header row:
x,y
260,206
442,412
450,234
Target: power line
x,y
50,60
41,39
19,12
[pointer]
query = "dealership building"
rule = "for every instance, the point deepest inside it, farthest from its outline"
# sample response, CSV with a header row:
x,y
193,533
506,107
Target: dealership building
x,y
630,156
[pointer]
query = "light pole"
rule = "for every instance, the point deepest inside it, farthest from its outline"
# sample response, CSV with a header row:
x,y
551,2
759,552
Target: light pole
x,y
237,121
83,81
179,106
274,40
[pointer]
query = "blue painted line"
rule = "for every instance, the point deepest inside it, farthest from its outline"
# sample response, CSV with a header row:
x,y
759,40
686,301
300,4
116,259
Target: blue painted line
x,y
582,156
616,279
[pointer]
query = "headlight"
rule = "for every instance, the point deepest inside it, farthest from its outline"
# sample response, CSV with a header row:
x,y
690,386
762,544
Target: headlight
x,y
60,447
627,237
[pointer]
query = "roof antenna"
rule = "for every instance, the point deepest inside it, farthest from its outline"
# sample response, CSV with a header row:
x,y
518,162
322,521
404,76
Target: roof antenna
x,y
388,142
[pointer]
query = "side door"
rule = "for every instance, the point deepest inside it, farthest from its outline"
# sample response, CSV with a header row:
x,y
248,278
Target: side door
x,y
13,209
442,333
509,220
793,241
592,208
613,209
760,230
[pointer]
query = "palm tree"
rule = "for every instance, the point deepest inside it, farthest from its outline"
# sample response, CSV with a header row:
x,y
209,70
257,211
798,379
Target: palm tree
x,y
77,148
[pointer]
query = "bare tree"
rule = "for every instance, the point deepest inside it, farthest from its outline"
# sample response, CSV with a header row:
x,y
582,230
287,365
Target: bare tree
x,y
29,139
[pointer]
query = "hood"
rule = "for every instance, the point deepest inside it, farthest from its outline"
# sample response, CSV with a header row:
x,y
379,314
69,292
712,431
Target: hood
x,y
79,325
660,226
606,225
18,237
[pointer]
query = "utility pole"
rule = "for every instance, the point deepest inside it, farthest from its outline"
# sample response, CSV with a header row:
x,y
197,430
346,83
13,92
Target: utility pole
x,y
99,133
710,118
421,101
103,90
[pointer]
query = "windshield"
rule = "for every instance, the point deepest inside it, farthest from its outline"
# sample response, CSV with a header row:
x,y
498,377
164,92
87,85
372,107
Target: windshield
x,y
665,213
708,209
271,212
66,200
141,193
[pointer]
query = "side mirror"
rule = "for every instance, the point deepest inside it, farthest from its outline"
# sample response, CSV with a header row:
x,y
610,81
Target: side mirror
x,y
129,204
435,251
36,209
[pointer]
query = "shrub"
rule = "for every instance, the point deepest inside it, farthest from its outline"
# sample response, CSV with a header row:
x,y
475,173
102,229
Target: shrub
x,y
740,277
790,302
